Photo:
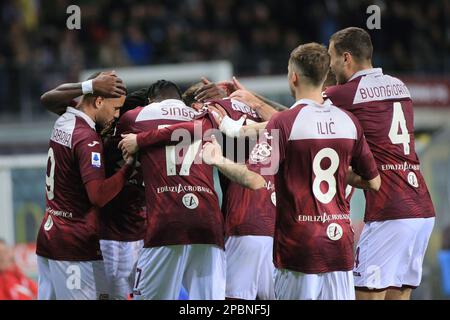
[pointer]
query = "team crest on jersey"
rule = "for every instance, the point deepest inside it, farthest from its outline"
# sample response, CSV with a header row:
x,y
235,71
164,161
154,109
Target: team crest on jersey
x,y
412,179
48,224
334,231
190,201
261,152
95,159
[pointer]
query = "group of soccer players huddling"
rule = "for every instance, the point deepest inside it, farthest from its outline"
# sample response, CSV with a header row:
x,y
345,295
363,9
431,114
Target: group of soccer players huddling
x,y
132,208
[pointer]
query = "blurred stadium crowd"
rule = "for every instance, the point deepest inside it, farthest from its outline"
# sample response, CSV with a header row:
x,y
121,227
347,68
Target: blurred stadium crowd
x,y
37,51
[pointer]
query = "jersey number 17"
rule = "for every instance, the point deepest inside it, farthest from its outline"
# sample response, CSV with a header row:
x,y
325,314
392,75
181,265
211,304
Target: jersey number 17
x,y
188,159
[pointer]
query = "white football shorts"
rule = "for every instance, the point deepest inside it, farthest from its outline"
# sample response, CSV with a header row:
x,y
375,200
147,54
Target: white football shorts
x,y
250,267
199,268
120,259
71,280
390,253
292,285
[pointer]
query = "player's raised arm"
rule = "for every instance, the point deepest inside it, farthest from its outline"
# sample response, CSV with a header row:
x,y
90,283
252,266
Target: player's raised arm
x,y
106,84
234,128
209,91
264,106
239,173
275,105
100,192
90,158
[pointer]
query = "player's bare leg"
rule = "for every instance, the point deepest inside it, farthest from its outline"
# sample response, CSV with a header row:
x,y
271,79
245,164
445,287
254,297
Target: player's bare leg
x,y
398,294
370,295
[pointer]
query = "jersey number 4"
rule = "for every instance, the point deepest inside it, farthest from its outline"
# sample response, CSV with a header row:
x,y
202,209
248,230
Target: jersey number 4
x,y
398,120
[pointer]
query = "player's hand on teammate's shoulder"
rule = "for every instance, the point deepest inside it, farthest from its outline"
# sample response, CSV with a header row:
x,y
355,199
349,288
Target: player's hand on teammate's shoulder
x,y
247,97
211,152
108,85
228,126
128,144
218,112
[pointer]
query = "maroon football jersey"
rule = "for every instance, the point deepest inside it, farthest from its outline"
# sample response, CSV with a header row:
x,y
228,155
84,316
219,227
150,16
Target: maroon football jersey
x,y
310,148
69,230
384,108
236,109
247,212
124,218
182,205
250,212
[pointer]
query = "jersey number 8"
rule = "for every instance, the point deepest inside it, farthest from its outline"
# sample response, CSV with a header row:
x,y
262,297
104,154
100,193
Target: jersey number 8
x,y
326,175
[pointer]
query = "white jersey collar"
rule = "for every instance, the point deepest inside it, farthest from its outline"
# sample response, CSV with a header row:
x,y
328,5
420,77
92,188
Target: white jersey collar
x,y
83,115
366,72
326,103
178,102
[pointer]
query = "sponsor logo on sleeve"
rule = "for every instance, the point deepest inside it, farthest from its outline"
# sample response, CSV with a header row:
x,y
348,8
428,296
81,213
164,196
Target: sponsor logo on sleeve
x,y
93,143
96,160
